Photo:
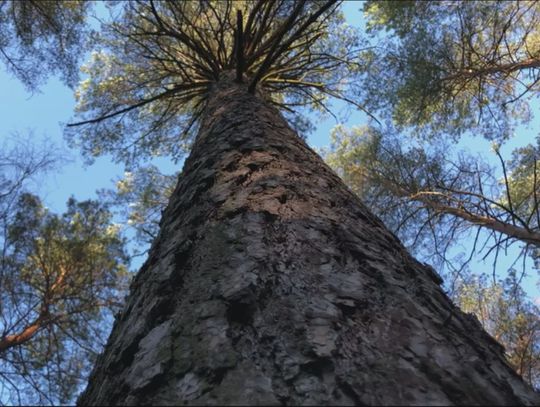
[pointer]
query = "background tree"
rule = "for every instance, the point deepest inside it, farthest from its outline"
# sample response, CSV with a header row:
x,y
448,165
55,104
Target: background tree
x,y
509,316
432,198
447,69
140,198
451,67
40,37
61,276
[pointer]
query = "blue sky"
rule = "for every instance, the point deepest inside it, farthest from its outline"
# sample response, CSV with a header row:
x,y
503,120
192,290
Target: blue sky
x,y
45,112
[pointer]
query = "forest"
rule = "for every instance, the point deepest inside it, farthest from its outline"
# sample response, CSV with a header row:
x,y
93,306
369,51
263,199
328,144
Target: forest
x,y
270,202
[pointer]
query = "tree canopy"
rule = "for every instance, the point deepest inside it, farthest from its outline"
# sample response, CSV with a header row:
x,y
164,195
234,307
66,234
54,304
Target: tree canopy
x,y
504,310
450,67
140,197
43,37
432,199
61,276
148,84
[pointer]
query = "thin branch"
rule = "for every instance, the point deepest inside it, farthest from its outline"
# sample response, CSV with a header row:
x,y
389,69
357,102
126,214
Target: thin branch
x,y
142,103
239,47
280,33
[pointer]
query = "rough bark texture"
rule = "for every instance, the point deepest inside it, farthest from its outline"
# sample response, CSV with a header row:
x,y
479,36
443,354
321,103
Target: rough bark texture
x,y
271,283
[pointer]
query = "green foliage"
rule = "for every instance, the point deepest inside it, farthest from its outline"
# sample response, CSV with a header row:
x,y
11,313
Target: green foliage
x,y
509,316
524,181
150,78
140,197
385,170
432,196
40,37
449,67
62,277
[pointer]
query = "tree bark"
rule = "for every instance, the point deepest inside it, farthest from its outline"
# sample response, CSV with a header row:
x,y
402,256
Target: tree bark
x,y
271,283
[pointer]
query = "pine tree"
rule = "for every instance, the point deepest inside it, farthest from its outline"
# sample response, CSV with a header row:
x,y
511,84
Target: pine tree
x,y
269,281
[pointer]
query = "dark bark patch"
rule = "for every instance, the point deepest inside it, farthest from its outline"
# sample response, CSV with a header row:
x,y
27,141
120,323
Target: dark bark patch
x,y
198,219
437,279
234,212
209,161
254,166
203,185
207,182
247,149
347,306
232,166
269,217
319,367
162,310
176,281
156,384
237,142
217,375
240,312
117,396
126,357
349,391
280,148
181,257
241,178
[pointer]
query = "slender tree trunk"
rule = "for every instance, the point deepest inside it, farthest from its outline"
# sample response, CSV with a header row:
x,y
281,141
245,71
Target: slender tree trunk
x,y
271,283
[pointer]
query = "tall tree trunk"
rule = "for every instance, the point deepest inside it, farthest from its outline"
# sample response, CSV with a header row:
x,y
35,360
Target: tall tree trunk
x,y
271,283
